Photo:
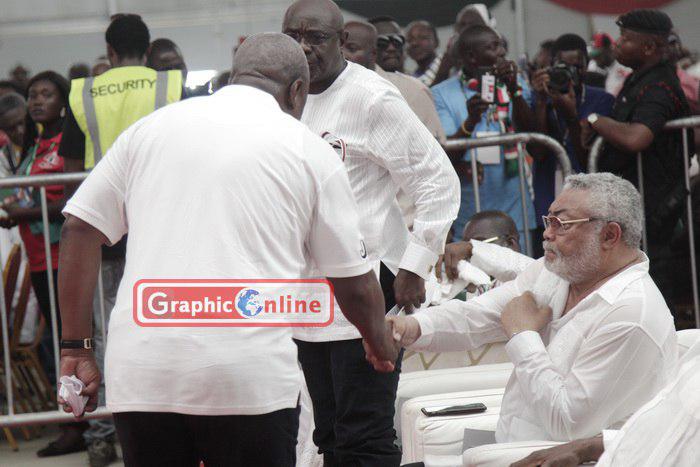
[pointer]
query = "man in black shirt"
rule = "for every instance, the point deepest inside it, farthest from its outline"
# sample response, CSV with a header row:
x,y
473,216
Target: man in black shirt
x,y
650,97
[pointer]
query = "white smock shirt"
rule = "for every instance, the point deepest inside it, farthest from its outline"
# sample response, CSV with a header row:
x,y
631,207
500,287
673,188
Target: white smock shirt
x,y
385,147
666,431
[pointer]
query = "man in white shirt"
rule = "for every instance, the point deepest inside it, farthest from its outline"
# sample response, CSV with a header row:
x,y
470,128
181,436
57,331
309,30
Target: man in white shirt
x,y
584,325
257,208
384,147
664,432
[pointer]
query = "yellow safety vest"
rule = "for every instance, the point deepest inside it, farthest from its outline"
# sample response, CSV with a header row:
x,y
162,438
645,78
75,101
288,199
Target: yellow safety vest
x,y
108,104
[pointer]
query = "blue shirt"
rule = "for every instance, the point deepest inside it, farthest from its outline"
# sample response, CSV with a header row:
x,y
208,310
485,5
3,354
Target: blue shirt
x,y
592,100
497,191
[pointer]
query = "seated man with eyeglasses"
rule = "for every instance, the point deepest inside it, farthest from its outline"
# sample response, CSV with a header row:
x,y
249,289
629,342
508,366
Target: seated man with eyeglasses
x,y
587,330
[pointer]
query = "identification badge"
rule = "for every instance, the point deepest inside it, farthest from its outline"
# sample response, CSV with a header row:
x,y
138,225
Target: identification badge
x,y
489,155
488,87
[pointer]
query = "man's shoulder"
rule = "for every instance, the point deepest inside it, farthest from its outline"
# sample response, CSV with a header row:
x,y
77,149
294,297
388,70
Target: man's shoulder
x,y
447,86
368,83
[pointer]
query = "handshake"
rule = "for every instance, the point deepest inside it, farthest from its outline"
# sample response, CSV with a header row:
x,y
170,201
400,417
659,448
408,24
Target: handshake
x,y
399,331
521,313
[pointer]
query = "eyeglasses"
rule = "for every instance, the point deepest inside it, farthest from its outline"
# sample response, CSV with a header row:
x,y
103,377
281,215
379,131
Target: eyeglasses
x,y
313,38
384,40
558,225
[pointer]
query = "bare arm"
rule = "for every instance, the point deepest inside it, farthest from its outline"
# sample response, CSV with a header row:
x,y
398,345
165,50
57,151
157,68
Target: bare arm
x,y
362,302
629,137
79,257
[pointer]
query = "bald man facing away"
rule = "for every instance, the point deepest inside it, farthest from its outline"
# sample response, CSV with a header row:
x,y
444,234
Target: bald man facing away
x,y
190,389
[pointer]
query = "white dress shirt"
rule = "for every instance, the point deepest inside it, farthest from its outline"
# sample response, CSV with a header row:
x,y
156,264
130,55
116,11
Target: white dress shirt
x,y
666,431
385,147
205,192
587,370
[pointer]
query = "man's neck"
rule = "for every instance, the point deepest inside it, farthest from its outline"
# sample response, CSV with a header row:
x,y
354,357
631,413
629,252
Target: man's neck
x,y
128,62
620,261
424,64
319,86
647,65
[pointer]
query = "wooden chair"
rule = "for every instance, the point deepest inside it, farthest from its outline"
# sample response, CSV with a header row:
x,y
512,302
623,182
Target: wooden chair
x,y
9,276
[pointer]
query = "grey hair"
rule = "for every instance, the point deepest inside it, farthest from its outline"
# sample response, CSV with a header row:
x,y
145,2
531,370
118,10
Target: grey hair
x,y
613,199
11,101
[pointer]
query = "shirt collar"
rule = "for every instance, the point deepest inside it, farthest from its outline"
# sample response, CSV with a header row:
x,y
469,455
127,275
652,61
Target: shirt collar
x,y
242,91
635,76
615,285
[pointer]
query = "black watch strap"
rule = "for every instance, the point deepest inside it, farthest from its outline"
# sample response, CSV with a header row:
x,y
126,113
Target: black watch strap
x,y
77,343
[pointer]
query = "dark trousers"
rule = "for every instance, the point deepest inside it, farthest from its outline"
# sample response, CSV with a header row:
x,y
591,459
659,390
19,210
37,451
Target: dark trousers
x,y
40,284
353,403
153,439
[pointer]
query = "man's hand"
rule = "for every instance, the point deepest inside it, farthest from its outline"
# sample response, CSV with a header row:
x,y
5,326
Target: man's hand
x,y
476,107
82,364
404,329
565,104
454,253
383,357
409,290
540,80
588,134
507,73
523,314
565,455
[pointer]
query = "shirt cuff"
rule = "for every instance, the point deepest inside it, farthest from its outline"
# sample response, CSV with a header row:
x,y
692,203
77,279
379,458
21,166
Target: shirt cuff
x,y
426,330
524,344
608,437
419,260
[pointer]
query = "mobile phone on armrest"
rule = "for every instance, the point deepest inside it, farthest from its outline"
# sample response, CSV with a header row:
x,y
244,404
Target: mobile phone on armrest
x,y
467,409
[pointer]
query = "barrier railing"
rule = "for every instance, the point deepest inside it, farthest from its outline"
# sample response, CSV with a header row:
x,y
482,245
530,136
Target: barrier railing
x,y
53,416
517,139
681,124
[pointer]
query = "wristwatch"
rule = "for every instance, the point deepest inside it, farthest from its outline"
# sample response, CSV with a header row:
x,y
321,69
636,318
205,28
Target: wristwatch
x,y
77,343
592,118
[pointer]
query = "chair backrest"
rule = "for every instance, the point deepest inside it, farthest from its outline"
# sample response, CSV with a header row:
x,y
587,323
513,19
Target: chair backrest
x,y
9,275
21,310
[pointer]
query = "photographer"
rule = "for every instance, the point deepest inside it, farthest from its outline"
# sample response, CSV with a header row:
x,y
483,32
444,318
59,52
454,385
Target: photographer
x,y
465,113
562,100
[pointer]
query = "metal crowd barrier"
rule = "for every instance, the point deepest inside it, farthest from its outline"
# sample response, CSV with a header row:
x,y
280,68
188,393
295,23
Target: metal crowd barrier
x,y
518,139
54,416
681,124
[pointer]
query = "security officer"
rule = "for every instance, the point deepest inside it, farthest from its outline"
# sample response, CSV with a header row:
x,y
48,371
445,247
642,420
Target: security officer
x,y
101,108
650,97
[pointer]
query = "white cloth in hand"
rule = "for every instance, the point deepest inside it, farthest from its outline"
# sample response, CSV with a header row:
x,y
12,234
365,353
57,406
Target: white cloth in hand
x,y
70,391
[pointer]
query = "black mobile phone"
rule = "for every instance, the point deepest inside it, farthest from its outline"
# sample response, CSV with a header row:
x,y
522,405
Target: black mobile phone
x,y
454,410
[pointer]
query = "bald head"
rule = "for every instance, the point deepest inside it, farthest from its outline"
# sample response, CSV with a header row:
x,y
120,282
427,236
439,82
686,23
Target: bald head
x,y
318,26
361,43
274,63
324,12
489,224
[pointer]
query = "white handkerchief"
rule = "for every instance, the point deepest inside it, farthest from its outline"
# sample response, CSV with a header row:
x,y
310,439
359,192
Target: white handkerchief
x,y
70,390
471,274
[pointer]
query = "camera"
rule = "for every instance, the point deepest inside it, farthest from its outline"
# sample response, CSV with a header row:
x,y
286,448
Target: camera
x,y
560,75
